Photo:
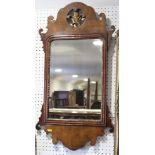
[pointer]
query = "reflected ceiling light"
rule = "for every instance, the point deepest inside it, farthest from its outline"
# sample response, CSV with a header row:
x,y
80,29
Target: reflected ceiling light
x,y
75,76
74,112
93,82
58,70
85,79
97,43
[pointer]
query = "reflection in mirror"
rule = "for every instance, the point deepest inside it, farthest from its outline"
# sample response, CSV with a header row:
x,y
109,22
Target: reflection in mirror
x,y
75,90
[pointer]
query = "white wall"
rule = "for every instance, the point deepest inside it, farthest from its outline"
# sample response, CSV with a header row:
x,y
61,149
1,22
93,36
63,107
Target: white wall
x,y
57,4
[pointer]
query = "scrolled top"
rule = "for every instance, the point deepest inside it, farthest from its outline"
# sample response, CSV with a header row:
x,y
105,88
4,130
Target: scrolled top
x,y
76,18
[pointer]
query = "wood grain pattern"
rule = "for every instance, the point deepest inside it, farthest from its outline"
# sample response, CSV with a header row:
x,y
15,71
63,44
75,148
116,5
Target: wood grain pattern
x,y
74,137
92,23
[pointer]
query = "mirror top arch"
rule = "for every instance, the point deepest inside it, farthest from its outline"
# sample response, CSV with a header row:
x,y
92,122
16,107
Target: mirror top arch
x,y
76,18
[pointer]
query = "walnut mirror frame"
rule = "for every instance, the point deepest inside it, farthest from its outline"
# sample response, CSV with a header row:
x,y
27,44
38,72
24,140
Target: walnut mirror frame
x,y
75,21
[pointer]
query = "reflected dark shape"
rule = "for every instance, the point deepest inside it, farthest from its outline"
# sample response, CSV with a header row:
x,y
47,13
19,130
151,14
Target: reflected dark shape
x,y
60,99
96,105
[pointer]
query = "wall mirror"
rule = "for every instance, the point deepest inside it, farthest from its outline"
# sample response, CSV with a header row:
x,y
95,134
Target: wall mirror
x,y
75,46
75,90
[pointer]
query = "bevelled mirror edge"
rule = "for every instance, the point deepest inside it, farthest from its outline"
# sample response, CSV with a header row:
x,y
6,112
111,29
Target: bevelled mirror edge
x,y
65,84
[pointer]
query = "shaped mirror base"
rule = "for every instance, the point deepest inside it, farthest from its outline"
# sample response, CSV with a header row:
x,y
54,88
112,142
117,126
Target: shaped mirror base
x,y
74,137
